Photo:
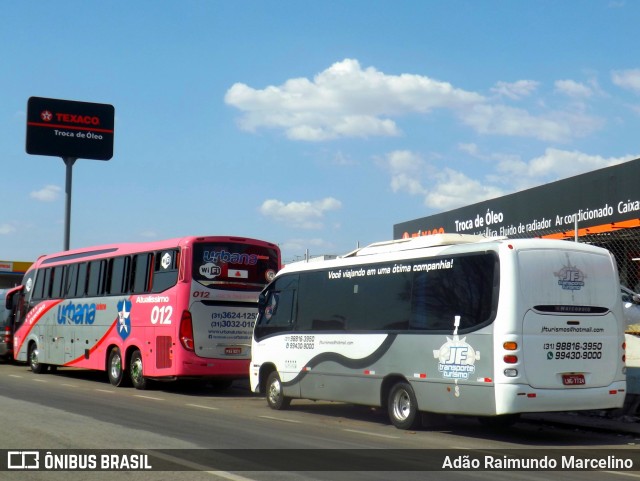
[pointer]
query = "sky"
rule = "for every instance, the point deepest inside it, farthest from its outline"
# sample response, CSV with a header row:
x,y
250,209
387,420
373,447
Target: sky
x,y
316,125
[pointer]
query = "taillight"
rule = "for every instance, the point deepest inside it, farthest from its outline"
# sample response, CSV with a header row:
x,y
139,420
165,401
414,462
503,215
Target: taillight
x,y
7,335
186,331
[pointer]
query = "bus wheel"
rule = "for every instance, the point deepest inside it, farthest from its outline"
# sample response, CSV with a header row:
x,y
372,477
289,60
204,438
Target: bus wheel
x,y
135,371
275,398
36,366
117,376
403,407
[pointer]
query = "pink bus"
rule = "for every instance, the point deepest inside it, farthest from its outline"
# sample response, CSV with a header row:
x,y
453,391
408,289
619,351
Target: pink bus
x,y
180,308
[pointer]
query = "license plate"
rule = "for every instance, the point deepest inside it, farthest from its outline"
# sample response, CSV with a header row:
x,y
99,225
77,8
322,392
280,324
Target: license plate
x,y
233,351
573,379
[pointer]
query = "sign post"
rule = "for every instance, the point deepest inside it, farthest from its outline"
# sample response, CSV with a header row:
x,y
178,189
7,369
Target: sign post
x,y
71,130
68,162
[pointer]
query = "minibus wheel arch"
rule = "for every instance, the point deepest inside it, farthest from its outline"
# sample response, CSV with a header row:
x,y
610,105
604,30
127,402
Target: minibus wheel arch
x,y
388,383
265,370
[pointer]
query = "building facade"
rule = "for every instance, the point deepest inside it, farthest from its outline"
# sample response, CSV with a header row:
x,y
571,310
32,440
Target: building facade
x,y
601,207
11,273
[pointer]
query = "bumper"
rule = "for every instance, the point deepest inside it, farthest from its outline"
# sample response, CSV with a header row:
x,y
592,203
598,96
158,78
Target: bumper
x,y
202,367
514,398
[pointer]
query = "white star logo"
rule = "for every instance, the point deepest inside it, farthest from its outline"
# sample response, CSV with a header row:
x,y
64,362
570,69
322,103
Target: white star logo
x,y
123,315
46,115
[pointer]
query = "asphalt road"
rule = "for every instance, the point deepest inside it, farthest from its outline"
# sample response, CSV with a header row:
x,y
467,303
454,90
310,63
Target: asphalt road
x,y
187,426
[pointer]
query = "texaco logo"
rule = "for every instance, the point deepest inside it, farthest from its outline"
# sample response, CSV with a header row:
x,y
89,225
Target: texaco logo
x,y
46,116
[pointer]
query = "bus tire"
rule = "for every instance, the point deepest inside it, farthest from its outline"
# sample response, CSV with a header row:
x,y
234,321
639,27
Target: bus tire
x,y
135,370
117,375
275,398
36,366
403,407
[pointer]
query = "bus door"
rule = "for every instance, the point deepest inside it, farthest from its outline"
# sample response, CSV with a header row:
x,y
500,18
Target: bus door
x,y
55,345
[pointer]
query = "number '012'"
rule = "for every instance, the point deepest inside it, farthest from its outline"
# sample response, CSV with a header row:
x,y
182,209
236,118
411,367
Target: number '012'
x,y
161,315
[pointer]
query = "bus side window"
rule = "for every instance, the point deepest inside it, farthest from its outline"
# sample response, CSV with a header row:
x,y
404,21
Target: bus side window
x,y
81,284
57,277
279,309
42,288
70,281
119,275
140,273
325,305
165,271
465,290
97,277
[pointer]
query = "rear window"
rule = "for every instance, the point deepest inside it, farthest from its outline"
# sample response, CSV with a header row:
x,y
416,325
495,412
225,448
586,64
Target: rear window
x,y
569,278
234,265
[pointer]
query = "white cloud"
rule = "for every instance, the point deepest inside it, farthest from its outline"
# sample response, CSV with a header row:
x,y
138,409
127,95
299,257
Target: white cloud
x,y
6,229
441,189
445,189
48,193
627,79
558,164
454,189
471,149
304,215
406,169
515,90
573,89
315,247
552,127
344,100
343,160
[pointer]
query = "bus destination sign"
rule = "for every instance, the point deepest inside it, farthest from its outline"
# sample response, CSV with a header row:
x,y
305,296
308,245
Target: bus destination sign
x,y
69,129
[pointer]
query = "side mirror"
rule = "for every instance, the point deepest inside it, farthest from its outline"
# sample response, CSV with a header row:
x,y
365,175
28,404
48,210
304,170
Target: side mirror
x,y
262,299
11,300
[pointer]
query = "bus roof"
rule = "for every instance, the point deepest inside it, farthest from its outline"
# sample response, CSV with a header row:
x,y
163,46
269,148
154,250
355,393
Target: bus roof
x,y
111,250
421,242
435,244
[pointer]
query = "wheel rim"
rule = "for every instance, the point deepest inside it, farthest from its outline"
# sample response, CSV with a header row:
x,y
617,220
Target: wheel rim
x,y
401,405
33,359
136,370
116,366
274,391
